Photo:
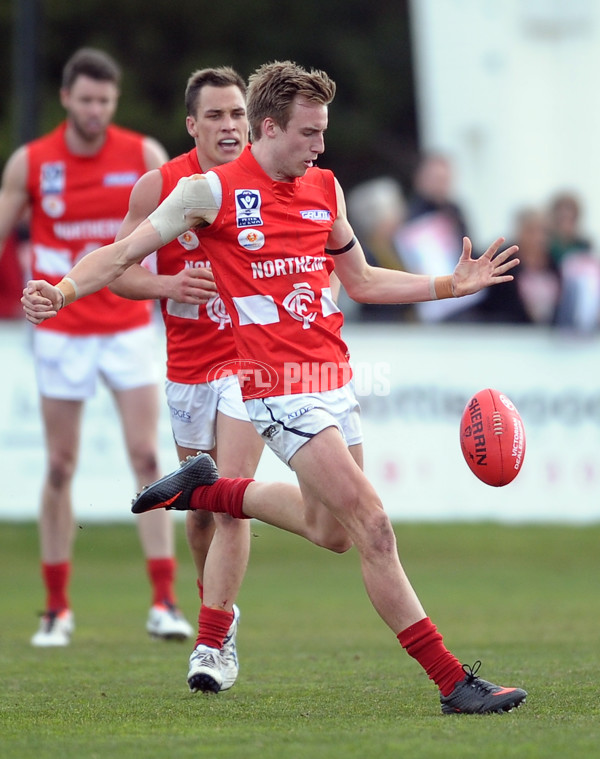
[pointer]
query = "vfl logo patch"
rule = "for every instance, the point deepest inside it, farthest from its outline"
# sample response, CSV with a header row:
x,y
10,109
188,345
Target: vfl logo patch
x,y
52,178
316,215
247,208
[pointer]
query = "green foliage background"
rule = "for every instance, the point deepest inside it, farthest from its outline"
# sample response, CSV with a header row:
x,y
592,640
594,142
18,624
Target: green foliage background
x,y
365,47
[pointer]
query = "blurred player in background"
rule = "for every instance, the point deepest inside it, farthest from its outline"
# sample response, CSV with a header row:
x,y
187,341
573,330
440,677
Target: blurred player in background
x,y
75,182
275,228
206,414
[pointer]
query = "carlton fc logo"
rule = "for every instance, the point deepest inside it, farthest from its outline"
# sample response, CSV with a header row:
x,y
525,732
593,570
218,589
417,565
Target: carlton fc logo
x,y
216,311
247,208
298,302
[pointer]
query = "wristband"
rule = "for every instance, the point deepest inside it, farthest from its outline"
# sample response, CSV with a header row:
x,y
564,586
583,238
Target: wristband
x,y
441,287
68,290
432,293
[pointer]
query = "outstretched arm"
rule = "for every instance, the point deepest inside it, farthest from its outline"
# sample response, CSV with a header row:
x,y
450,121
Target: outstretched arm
x,y
190,204
41,300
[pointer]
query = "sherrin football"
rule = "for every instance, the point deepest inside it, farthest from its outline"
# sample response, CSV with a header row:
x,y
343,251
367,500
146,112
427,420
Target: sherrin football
x,y
492,438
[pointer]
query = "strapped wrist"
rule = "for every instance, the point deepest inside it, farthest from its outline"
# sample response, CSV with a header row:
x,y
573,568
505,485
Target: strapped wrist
x,y
68,290
441,287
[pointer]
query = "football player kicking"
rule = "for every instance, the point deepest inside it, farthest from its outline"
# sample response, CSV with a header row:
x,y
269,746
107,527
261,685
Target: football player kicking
x,y
274,227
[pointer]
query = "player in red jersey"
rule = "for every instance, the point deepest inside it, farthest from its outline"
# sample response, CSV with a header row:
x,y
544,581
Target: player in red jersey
x,y
275,224
75,182
207,413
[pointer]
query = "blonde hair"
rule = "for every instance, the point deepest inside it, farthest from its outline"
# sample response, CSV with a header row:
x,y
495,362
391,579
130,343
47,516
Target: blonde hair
x,y
273,87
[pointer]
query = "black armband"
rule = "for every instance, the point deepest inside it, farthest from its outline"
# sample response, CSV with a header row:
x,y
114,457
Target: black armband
x,y
337,251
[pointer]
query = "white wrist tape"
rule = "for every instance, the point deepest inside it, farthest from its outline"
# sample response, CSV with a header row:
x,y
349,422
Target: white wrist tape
x,y
184,207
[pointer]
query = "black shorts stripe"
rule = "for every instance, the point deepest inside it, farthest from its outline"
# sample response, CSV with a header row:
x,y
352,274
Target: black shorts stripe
x,y
300,433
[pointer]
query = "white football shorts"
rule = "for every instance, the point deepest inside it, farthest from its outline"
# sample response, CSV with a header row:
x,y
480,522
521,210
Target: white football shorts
x,y
193,410
69,366
286,422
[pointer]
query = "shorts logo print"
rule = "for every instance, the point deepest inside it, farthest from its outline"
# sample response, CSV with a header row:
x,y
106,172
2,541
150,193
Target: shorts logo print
x,y
271,431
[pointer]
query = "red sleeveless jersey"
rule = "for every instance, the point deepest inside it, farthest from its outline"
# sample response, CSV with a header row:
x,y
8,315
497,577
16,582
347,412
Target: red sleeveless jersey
x,y
199,337
77,205
267,248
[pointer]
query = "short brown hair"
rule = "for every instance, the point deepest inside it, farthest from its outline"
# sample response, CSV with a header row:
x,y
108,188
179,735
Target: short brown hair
x,y
88,61
224,76
273,87
566,200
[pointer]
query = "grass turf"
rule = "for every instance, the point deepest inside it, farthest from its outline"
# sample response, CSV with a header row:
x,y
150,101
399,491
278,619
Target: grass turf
x,y
321,676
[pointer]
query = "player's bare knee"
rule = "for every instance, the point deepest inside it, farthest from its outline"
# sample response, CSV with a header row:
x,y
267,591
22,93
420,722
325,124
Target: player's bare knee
x,y
60,472
228,523
378,536
200,520
145,465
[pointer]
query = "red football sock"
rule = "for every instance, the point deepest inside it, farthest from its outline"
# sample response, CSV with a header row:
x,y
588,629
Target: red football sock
x,y
200,589
162,577
56,579
226,496
424,643
213,626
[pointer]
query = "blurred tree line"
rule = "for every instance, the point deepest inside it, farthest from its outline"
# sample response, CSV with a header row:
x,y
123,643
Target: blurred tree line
x,y
364,47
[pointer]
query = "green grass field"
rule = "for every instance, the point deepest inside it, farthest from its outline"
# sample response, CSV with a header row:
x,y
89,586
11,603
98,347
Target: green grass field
x,y
321,676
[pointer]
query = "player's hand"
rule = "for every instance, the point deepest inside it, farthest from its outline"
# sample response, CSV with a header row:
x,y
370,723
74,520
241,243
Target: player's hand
x,y
193,285
473,274
41,301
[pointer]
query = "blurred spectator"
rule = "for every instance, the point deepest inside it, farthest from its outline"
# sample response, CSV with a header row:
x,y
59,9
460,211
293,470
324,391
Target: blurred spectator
x,y
376,210
430,241
533,296
565,236
579,307
433,190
